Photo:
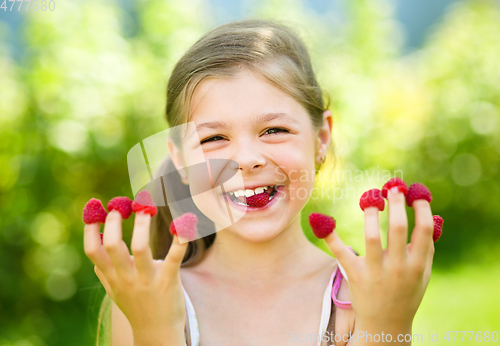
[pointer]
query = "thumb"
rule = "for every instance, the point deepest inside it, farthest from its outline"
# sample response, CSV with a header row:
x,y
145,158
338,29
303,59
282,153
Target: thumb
x,y
174,257
342,253
103,280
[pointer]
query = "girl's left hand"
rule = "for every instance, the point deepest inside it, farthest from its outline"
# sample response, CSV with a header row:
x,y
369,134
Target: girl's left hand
x,y
387,286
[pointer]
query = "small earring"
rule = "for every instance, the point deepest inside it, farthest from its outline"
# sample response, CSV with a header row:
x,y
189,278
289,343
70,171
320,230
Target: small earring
x,y
322,158
184,177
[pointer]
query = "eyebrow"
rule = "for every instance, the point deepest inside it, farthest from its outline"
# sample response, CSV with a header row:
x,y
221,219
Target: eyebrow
x,y
261,119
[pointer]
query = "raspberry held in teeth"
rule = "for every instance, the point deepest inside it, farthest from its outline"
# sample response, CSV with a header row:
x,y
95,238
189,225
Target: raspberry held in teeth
x,y
259,200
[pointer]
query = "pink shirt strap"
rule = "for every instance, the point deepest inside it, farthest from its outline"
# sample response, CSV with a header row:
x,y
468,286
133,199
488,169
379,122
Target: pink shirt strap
x,y
335,290
336,287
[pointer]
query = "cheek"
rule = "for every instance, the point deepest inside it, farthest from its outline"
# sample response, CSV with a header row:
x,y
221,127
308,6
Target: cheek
x,y
301,183
193,156
298,176
297,157
300,170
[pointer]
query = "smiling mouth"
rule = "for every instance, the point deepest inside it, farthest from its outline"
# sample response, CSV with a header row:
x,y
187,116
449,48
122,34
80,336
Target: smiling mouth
x,y
242,200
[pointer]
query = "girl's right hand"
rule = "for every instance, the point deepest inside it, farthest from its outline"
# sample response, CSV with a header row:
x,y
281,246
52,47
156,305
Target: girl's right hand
x,y
148,292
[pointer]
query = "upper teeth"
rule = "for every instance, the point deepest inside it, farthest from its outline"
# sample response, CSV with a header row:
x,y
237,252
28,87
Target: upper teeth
x,y
248,192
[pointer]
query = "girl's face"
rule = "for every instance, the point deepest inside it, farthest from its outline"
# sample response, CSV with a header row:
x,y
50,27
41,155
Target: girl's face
x,y
271,137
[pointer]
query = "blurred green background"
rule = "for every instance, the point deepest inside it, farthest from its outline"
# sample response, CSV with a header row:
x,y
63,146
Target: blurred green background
x,y
91,82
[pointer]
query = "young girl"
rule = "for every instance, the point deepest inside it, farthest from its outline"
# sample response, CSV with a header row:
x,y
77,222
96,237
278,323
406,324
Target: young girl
x,y
250,89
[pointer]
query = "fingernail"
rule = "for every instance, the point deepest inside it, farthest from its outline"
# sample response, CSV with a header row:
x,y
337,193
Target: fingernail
x,y
179,240
183,240
394,189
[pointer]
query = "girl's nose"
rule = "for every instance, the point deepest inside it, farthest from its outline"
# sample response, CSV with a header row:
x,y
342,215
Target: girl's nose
x,y
249,158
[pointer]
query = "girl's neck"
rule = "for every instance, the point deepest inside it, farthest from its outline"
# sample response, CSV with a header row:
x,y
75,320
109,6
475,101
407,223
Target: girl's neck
x,y
287,256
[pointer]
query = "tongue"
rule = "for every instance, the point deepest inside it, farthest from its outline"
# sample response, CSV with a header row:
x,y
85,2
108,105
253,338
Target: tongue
x,y
260,200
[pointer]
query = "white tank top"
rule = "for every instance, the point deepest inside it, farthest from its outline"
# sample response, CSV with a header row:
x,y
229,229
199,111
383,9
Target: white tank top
x,y
330,293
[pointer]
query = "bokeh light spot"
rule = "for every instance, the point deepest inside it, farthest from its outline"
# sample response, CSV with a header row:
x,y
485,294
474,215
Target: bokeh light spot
x,y
60,286
68,135
484,118
46,229
466,169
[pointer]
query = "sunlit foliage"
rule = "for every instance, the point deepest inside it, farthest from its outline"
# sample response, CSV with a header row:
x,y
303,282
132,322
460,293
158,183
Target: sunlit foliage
x,y
92,84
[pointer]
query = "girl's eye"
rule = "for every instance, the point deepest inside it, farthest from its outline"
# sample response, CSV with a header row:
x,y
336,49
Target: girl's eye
x,y
211,139
214,138
279,129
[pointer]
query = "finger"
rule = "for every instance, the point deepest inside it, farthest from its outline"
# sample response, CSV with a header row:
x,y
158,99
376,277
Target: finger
x,y
114,244
140,247
103,280
421,238
94,249
398,224
342,253
372,236
175,255
428,265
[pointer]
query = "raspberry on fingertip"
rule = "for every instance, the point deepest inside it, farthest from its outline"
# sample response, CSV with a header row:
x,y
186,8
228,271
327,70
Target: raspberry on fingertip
x,y
121,204
184,226
322,225
372,198
94,212
418,191
143,202
394,182
438,227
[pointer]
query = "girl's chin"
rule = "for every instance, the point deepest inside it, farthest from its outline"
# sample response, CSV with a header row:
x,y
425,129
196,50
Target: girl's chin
x,y
255,234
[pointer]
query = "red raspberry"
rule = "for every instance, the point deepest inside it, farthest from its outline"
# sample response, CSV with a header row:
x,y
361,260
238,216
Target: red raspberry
x,y
394,182
322,225
418,191
143,202
122,204
372,198
184,226
259,200
94,212
438,227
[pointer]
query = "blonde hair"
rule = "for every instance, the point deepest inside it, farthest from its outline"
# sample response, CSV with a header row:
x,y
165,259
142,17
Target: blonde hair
x,y
268,48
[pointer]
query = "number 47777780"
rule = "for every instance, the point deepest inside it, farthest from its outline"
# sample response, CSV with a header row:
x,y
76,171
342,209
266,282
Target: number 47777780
x,y
33,5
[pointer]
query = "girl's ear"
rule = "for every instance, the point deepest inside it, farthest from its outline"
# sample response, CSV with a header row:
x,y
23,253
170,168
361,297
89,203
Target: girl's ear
x,y
176,156
324,134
